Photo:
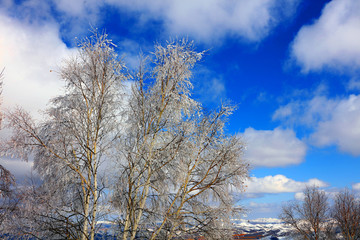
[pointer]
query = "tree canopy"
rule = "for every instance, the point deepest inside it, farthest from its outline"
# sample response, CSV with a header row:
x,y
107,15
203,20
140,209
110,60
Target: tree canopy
x,y
173,166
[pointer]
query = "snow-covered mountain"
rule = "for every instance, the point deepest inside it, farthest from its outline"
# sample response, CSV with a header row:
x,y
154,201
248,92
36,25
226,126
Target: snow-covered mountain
x,y
269,228
261,228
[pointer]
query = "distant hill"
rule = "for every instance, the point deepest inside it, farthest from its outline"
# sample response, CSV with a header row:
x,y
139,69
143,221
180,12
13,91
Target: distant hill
x,y
268,228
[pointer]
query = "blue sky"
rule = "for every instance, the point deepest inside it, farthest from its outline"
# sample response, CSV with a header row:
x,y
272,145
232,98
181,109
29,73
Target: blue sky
x,y
292,67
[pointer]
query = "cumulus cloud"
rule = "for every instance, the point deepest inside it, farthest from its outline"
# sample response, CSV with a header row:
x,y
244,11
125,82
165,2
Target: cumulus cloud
x,y
28,52
342,128
356,186
203,20
273,148
208,20
299,196
334,122
279,184
331,41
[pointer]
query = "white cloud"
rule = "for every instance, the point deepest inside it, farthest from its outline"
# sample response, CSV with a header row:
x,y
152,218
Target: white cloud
x,y
342,128
299,196
331,41
203,20
208,20
28,52
306,113
279,184
273,148
356,186
333,121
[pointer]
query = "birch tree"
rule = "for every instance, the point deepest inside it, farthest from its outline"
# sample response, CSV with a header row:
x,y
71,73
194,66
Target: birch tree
x,y
176,166
173,154
71,142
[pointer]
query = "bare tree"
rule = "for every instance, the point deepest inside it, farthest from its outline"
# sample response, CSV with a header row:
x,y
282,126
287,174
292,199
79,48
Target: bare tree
x,y
70,144
346,212
175,158
310,218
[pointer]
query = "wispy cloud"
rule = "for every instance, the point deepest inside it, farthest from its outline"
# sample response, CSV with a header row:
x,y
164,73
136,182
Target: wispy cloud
x,y
332,41
305,112
273,148
79,9
263,210
211,90
354,84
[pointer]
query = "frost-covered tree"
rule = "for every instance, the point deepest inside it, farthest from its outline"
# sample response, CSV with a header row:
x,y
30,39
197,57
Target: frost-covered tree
x,y
177,165
8,202
207,166
7,180
71,141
